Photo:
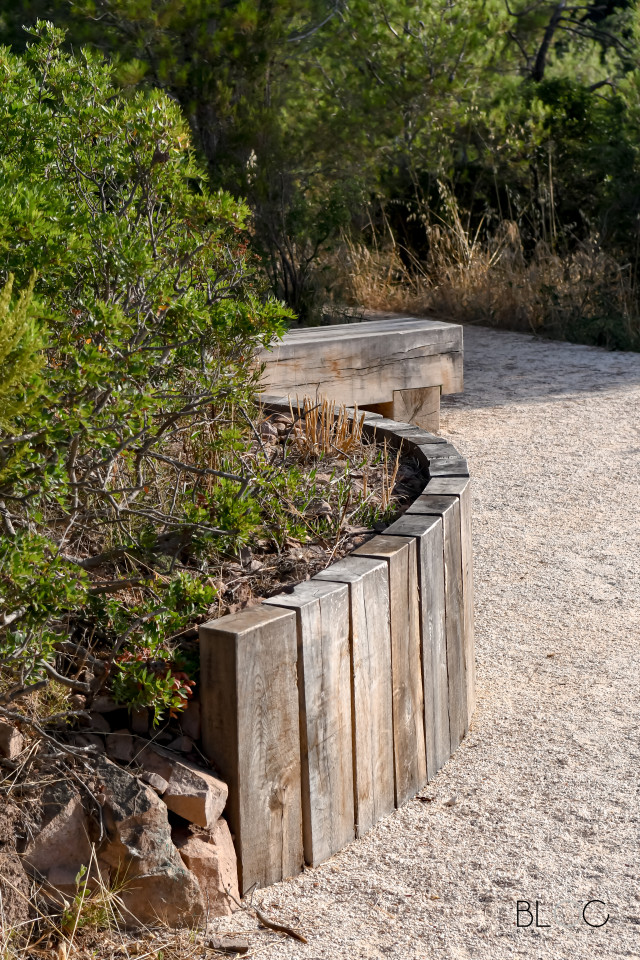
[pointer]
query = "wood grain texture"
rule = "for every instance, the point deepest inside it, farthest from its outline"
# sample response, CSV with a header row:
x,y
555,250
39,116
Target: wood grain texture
x,y
324,688
447,466
394,431
448,507
410,766
372,710
428,531
439,450
420,405
461,487
250,731
364,363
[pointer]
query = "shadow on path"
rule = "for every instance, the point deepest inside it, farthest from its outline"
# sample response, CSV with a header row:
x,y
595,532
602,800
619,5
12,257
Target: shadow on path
x,y
502,367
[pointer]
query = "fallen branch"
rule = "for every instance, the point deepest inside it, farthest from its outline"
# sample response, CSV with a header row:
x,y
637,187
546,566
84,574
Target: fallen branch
x,y
76,752
21,691
9,618
279,927
113,586
66,681
266,922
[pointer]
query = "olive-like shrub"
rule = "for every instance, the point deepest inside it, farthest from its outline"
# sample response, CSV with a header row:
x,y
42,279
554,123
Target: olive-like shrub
x,y
124,383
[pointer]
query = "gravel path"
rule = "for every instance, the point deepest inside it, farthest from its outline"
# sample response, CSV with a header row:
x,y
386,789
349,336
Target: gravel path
x,y
545,786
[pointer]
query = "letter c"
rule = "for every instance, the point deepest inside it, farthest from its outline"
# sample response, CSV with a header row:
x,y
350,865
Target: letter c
x,y
585,911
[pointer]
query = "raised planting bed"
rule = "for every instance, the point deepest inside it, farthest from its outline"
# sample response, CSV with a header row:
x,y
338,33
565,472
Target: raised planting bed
x,y
332,703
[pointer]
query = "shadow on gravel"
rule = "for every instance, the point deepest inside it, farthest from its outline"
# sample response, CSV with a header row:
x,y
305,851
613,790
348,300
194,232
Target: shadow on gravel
x,y
501,367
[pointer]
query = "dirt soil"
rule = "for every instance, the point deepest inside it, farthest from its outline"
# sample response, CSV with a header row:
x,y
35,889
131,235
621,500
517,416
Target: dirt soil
x,y
541,801
14,886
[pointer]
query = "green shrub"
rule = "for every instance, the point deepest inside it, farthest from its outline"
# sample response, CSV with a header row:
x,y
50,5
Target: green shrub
x,y
153,315
21,344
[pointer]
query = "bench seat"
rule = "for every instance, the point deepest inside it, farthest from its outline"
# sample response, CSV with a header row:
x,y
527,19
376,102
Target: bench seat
x,y
397,366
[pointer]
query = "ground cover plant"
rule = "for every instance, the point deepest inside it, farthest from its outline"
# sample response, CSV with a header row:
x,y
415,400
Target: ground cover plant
x,y
139,308
143,488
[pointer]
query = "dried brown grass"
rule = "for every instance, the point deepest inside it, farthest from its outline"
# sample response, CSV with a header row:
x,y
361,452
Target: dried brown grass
x,y
586,295
93,924
326,427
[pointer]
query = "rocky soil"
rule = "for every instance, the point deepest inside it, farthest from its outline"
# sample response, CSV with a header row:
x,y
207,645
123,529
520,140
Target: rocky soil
x,y
541,800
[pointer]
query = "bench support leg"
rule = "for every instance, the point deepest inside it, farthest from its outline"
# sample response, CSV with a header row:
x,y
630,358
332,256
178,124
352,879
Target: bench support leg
x,y
420,406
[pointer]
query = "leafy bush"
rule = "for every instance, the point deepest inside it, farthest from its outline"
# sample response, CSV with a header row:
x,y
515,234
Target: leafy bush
x,y
21,343
153,316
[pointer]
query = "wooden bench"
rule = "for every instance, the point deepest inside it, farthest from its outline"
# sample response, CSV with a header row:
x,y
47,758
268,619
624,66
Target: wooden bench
x,y
396,365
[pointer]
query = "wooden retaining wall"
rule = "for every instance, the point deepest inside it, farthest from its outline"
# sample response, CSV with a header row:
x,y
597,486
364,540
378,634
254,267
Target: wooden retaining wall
x,y
326,707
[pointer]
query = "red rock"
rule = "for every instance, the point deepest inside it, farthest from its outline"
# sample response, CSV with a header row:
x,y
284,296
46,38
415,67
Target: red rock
x,y
138,847
11,741
213,861
155,781
62,847
192,792
195,794
120,746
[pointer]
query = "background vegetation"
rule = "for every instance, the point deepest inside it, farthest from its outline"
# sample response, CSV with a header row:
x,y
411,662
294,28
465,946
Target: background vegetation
x,y
475,158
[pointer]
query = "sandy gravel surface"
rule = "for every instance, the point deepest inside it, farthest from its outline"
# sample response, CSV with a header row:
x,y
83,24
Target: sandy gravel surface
x,y
546,785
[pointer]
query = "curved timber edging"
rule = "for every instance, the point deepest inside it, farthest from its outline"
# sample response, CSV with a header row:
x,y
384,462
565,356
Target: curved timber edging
x,y
327,706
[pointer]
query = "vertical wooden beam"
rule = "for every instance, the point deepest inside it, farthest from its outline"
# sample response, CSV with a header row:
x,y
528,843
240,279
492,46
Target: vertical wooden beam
x,y
449,509
461,487
372,710
410,763
418,405
250,731
428,531
324,689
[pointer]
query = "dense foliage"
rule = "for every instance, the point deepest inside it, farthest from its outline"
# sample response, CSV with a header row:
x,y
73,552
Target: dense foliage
x,y
395,119
137,350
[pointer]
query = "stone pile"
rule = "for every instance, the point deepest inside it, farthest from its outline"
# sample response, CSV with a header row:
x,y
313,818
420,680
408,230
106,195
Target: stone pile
x,y
147,822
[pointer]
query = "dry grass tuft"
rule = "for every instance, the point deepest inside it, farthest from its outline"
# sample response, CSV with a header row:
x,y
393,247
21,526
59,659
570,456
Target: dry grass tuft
x,y
326,428
584,296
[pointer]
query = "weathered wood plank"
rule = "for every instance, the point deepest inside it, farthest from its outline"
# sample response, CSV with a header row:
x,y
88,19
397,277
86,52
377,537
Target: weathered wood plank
x,y
420,405
394,431
447,466
428,531
448,486
372,710
408,702
448,507
324,689
461,487
269,399
364,363
439,330
250,731
438,450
